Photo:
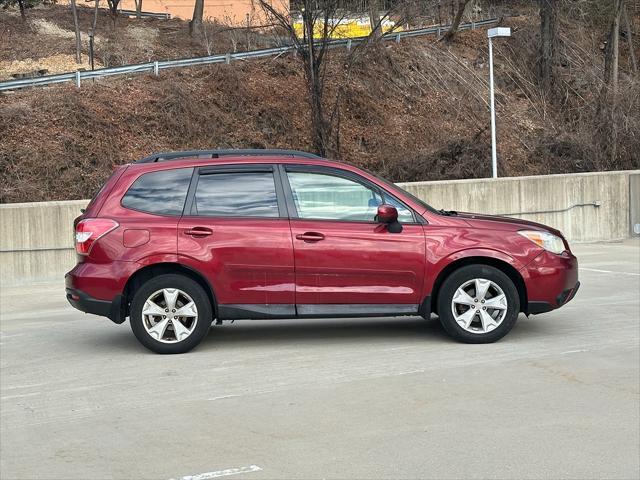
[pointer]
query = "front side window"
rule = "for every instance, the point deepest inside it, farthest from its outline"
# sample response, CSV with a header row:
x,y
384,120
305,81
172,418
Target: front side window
x,y
322,196
325,196
404,214
162,192
239,194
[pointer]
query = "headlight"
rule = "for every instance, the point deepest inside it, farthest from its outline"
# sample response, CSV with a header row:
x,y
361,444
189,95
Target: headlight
x,y
545,240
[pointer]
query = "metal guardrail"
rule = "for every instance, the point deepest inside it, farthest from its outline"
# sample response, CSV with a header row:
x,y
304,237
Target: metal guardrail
x,y
133,13
155,67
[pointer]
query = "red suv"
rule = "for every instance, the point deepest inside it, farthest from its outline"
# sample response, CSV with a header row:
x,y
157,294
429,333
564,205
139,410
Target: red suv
x,y
178,240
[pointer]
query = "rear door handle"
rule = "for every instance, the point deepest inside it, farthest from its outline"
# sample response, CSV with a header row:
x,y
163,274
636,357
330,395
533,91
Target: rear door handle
x,y
199,232
310,236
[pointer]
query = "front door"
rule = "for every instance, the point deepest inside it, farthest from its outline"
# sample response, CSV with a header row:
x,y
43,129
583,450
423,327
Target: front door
x,y
236,232
346,263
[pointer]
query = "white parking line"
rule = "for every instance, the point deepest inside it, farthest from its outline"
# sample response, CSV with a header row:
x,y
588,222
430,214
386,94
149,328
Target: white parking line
x,y
224,396
609,271
10,397
222,473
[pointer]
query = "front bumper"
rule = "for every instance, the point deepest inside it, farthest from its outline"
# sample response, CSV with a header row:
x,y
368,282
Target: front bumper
x,y
534,307
551,281
113,310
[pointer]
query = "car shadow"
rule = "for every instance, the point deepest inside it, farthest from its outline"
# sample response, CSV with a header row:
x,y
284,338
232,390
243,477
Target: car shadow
x,y
310,332
317,331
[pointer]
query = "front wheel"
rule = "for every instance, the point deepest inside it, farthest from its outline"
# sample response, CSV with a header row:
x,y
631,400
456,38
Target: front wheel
x,y
170,314
478,304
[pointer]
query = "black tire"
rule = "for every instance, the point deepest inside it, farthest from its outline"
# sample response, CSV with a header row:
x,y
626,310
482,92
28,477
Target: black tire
x,y
466,274
186,285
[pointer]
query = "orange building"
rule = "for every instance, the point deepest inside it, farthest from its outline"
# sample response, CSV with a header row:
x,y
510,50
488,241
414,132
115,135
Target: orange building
x,y
233,12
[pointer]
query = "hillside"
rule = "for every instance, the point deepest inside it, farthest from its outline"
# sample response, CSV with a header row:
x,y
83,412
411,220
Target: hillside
x,y
412,111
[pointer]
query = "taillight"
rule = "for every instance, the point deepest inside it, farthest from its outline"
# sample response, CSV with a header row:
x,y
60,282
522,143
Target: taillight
x,y
89,230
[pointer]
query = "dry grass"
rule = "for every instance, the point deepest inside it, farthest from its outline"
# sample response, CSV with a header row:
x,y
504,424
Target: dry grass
x,y
54,64
146,37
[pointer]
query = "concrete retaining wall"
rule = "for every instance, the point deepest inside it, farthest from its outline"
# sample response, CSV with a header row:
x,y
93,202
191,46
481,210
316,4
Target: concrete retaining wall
x,y
553,196
36,239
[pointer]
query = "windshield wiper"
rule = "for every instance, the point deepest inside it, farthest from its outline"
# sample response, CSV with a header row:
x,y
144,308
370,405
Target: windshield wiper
x,y
448,213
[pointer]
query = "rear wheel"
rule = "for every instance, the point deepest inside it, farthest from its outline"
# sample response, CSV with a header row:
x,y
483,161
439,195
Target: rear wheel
x,y
478,304
170,314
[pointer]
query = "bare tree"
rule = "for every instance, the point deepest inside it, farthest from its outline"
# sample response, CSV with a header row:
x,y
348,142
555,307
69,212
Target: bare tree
x,y
612,55
95,17
113,8
453,29
548,44
195,26
609,97
374,19
92,32
74,10
319,18
632,53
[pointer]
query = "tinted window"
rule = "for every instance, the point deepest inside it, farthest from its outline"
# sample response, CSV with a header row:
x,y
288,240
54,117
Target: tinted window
x,y
161,192
251,194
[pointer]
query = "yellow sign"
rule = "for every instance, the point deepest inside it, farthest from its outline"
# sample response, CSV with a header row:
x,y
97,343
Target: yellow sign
x,y
345,28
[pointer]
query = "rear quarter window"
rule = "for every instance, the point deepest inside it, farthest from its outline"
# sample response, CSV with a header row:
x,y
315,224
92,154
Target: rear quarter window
x,y
162,192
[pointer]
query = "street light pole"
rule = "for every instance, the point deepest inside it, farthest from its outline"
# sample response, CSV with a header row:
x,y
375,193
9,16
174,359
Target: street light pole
x,y
494,153
491,33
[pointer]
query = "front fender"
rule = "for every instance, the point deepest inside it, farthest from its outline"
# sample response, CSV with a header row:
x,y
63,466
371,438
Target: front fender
x,y
436,269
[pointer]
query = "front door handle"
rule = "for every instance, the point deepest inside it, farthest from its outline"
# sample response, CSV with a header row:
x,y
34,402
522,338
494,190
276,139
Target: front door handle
x,y
310,236
199,232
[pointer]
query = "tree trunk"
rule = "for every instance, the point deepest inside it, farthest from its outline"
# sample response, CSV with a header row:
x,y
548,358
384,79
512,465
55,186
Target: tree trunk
x,y
77,28
113,8
548,44
195,26
92,33
22,14
632,52
451,33
374,19
138,8
314,83
611,76
95,17
613,48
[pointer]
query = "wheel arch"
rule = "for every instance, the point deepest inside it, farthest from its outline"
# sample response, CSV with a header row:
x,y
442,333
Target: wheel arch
x,y
501,265
139,277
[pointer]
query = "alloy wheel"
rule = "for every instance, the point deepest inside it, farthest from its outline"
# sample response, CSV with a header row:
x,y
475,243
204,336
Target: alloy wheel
x,y
479,306
169,315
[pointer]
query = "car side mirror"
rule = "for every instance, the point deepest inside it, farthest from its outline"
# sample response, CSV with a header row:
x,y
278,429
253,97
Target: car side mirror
x,y
387,213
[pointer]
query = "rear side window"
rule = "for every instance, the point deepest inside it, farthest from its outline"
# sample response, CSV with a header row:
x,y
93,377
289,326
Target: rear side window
x,y
239,194
162,192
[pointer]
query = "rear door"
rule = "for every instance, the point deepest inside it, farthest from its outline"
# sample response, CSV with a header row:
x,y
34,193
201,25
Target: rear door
x,y
346,262
235,231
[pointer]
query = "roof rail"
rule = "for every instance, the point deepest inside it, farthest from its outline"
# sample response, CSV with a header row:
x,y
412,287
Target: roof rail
x,y
159,157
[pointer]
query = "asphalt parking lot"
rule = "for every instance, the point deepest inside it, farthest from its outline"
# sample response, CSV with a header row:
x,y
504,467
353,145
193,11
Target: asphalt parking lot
x,y
368,398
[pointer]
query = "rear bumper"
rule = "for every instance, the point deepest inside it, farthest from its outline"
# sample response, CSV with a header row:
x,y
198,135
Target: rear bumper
x,y
97,288
551,281
111,309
